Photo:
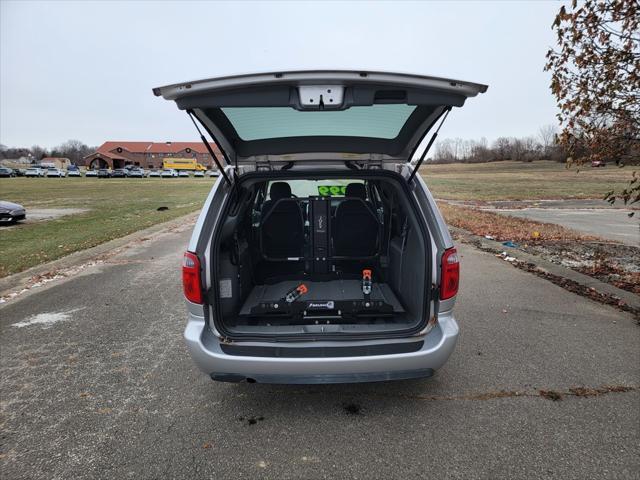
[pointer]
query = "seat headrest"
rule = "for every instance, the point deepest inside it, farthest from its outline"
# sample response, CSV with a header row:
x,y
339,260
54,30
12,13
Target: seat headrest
x,y
279,190
356,190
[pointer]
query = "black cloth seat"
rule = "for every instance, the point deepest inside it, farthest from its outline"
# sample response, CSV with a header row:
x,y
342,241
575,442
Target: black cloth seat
x,y
277,191
282,225
355,226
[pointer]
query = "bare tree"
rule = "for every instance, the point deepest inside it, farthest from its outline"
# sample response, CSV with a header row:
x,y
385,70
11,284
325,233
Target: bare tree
x,y
74,150
547,135
444,151
38,152
480,151
457,148
502,148
531,149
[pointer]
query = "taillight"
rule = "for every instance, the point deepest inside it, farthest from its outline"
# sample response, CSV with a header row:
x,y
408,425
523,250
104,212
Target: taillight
x,y
450,277
191,278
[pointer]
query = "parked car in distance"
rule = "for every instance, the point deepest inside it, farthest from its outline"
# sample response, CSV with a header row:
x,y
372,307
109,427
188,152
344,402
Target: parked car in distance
x,y
198,173
34,172
183,173
91,173
55,172
119,173
213,173
154,173
169,173
135,172
348,273
598,163
11,212
74,173
6,172
104,173
20,172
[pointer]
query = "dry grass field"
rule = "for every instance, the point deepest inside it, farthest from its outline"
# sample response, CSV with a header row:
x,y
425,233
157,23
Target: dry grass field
x,y
114,208
522,181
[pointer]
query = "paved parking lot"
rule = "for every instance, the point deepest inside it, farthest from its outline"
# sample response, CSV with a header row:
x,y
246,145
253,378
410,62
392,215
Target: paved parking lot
x,y
592,217
96,383
611,224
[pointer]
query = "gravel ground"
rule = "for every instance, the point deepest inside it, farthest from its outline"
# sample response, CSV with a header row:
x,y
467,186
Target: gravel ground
x,y
612,263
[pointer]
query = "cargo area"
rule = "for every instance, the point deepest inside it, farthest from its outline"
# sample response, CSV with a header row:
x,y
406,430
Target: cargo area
x,y
338,291
320,256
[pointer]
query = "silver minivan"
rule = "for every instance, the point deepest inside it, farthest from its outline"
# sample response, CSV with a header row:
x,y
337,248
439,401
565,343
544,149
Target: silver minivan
x,y
320,255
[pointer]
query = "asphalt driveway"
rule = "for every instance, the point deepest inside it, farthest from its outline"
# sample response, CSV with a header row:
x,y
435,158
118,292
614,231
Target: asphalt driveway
x,y
593,217
96,383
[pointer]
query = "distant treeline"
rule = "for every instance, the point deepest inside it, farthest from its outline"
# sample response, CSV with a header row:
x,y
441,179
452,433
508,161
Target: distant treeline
x,y
526,149
74,150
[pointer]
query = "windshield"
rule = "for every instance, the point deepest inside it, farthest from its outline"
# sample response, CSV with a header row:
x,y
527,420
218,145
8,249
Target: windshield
x,y
375,121
311,188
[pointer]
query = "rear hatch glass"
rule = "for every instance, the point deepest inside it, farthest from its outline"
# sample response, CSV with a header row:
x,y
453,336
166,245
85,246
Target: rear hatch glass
x,y
376,121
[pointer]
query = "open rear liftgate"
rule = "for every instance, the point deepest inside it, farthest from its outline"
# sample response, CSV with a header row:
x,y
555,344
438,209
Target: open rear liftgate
x,y
336,301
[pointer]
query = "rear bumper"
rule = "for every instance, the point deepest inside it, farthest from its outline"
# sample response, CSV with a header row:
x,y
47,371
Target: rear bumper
x,y
207,353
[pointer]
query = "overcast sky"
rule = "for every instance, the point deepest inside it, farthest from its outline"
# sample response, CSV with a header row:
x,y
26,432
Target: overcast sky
x,y
84,70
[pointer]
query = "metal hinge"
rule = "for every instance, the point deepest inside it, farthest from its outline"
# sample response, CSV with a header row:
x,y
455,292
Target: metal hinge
x,y
263,166
374,162
435,292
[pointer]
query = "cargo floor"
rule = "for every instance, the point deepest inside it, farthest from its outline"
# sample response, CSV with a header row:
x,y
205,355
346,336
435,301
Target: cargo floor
x,y
336,290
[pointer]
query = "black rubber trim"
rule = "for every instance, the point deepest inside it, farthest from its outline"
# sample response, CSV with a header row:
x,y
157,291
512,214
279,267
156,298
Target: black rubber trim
x,y
320,379
322,352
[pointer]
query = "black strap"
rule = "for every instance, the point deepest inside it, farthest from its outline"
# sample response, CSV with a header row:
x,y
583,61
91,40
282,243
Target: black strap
x,y
390,225
403,235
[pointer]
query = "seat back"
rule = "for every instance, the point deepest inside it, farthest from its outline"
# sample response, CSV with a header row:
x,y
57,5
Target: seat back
x,y
277,191
282,230
356,227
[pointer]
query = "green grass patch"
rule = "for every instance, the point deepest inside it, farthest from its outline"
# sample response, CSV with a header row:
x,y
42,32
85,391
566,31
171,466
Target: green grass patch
x,y
117,207
522,181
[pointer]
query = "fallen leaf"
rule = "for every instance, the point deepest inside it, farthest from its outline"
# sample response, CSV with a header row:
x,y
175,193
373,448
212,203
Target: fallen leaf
x,y
551,395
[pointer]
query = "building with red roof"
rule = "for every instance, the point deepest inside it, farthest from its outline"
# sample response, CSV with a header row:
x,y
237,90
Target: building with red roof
x,y
148,154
